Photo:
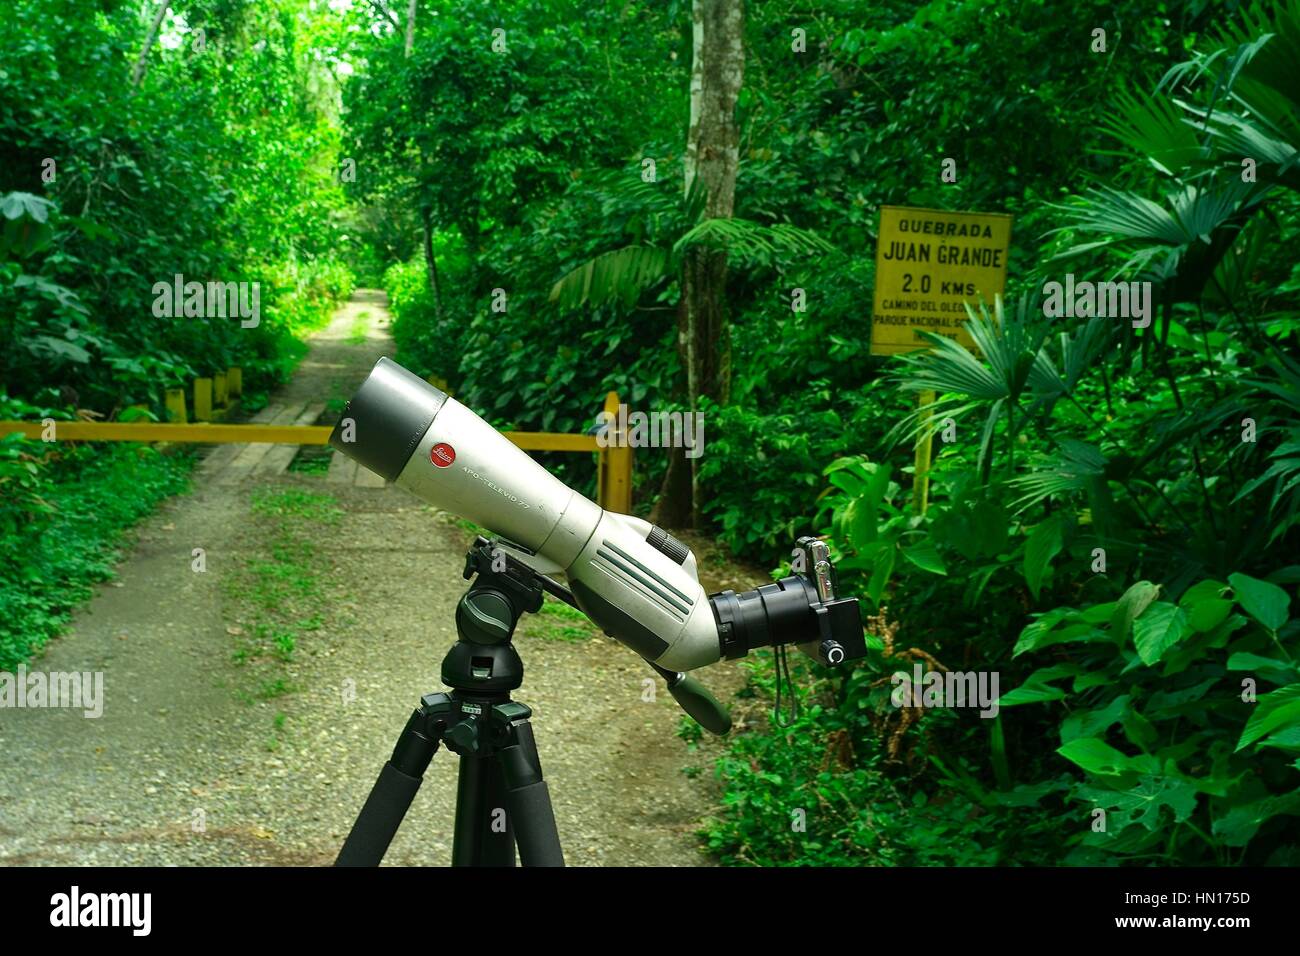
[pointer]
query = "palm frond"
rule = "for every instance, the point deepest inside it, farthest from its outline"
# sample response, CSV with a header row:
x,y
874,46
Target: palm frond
x,y
948,367
1179,244
1012,359
1154,126
1238,136
1079,350
619,275
1267,36
751,241
1075,467
912,425
1190,214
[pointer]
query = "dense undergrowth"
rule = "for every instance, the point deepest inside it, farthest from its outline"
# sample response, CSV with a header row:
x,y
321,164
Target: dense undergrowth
x,y
62,527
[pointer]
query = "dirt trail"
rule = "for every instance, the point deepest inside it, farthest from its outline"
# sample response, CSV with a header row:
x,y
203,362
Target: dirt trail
x,y
189,765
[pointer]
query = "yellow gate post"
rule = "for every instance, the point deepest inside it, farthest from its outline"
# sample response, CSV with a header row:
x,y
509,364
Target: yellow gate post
x,y
203,399
176,406
615,470
924,447
234,381
602,466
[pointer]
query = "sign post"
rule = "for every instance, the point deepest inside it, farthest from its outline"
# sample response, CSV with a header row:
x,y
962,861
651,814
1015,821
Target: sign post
x,y
924,446
929,264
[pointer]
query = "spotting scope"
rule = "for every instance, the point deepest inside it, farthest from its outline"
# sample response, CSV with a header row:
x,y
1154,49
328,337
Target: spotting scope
x,y
636,581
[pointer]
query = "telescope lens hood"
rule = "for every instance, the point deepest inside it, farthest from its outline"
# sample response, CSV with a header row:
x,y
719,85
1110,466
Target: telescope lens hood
x,y
383,423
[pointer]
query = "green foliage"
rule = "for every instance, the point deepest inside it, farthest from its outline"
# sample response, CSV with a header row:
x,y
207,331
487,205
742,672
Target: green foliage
x,y
63,517
1164,712
1236,97
424,342
814,793
107,190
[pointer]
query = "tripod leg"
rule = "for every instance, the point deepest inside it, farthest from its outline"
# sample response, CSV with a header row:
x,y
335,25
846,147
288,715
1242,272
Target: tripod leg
x,y
484,836
390,797
498,846
528,800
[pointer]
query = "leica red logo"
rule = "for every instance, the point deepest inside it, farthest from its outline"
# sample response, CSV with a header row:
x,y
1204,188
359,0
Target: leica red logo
x,y
442,454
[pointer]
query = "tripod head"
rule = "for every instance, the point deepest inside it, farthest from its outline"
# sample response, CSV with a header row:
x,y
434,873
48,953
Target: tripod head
x,y
506,586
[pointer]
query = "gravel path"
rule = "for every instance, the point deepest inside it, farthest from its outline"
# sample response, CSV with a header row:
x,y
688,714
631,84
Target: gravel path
x,y
192,763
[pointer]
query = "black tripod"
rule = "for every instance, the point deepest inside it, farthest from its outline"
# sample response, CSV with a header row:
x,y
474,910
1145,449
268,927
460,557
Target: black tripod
x,y
501,799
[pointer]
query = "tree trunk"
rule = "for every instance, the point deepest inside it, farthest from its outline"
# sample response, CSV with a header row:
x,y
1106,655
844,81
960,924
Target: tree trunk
x,y
712,156
674,507
138,73
410,27
470,233
431,264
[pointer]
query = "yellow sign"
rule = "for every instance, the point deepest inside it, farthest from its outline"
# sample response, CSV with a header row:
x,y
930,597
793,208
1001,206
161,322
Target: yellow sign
x,y
928,263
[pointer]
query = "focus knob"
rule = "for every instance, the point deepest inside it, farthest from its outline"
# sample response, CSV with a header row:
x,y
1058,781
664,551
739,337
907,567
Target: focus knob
x,y
664,543
833,651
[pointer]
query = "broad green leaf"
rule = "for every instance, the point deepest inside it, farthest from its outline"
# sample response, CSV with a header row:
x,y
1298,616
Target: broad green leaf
x,y
1044,543
1030,694
1033,634
1219,635
877,483
1099,613
1240,824
1161,627
1206,606
858,522
1036,689
1092,679
1096,756
1262,600
1288,738
925,556
882,566
1127,609
1273,711
1242,661
1142,802
1043,632
1093,723
1202,590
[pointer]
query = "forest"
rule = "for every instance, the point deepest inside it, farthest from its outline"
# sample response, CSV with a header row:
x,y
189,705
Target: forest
x,y
1090,495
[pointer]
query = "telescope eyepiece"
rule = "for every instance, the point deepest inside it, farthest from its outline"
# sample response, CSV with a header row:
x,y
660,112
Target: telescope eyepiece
x,y
793,610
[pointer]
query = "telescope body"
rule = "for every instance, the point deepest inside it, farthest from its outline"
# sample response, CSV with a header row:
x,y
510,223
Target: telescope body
x,y
634,580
